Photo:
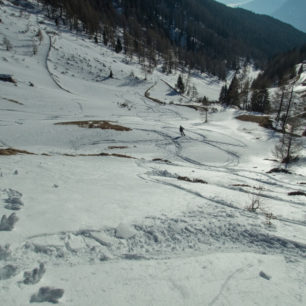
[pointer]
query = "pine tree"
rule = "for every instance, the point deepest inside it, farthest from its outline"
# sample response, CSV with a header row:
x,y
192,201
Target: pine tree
x,y
260,101
118,47
223,94
180,84
105,37
232,96
244,95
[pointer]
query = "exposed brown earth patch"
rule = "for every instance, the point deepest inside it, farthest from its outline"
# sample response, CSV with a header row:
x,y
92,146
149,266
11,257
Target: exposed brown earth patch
x,y
279,170
117,147
248,186
109,154
100,154
12,151
7,78
161,160
240,185
96,124
194,180
195,107
263,121
297,193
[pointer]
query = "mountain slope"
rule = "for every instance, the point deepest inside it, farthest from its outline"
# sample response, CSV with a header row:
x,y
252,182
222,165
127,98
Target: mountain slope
x,y
293,12
262,6
113,206
202,34
288,11
281,68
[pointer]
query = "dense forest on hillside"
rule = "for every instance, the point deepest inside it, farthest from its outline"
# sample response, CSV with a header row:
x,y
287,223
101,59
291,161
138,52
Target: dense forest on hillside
x,y
281,68
201,34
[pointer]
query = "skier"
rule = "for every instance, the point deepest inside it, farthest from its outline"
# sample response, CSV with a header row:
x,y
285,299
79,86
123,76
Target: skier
x,y
182,131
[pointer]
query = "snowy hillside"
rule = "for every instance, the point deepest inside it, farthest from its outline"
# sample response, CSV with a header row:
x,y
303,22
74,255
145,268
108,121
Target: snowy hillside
x,y
103,202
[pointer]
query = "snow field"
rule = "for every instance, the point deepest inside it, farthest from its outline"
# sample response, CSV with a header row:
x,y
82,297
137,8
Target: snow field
x,y
112,230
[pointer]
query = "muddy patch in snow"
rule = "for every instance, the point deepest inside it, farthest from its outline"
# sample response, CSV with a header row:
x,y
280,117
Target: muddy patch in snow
x,y
263,121
297,193
191,180
117,147
12,151
101,154
96,124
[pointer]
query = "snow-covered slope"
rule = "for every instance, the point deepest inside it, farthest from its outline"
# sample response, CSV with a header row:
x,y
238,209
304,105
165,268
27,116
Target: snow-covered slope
x,y
137,216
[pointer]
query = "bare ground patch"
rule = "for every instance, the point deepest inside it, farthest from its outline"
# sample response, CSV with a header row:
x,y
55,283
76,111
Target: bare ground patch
x,y
110,154
193,106
297,193
279,170
117,147
96,124
193,180
161,160
263,121
12,151
247,186
100,154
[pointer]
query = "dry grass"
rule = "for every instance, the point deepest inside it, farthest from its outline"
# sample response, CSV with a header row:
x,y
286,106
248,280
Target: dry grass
x,y
263,121
96,124
194,180
12,151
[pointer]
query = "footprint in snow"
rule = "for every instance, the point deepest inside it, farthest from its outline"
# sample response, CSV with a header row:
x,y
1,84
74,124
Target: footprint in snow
x,y
47,294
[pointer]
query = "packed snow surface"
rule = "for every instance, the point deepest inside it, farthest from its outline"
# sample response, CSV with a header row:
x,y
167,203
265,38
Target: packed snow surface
x,y
137,216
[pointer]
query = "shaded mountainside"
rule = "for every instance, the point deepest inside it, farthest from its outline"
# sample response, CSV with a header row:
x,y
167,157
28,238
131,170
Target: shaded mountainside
x,y
201,34
281,68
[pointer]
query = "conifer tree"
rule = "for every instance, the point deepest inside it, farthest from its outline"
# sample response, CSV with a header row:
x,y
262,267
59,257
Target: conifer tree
x,y
232,96
180,84
118,47
260,101
223,94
